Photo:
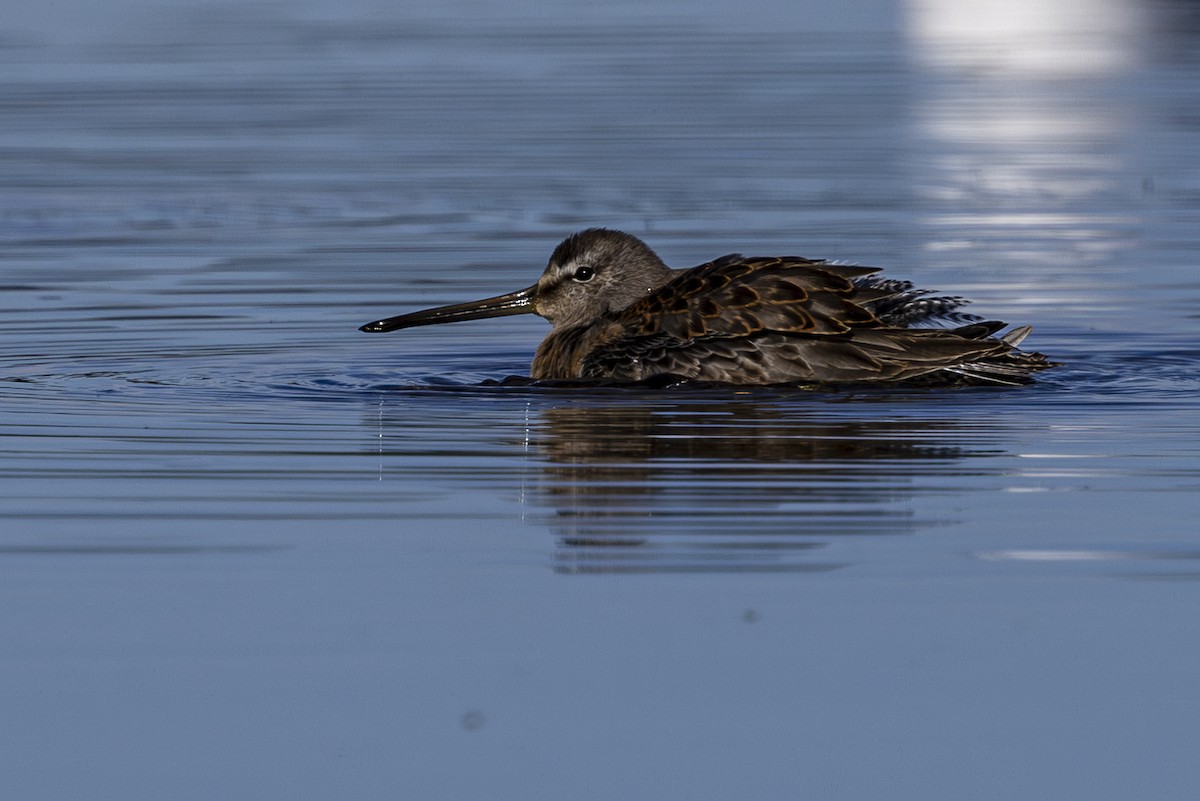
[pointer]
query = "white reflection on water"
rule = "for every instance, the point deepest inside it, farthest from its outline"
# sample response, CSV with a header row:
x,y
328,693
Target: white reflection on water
x,y
1082,556
1026,153
1012,37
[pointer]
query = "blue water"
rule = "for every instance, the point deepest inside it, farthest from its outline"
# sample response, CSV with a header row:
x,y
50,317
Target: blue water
x,y
249,552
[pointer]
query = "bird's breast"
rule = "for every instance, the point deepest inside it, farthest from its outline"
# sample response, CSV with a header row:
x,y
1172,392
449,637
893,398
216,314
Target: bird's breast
x,y
563,352
559,356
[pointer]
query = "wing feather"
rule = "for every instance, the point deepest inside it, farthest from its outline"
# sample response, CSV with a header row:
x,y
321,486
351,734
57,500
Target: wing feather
x,y
736,297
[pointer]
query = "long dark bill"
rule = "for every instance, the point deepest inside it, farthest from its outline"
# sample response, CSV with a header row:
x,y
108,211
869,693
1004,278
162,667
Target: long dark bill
x,y
499,306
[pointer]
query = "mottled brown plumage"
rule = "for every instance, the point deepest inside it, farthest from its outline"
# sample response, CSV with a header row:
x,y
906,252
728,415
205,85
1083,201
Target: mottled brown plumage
x,y
620,314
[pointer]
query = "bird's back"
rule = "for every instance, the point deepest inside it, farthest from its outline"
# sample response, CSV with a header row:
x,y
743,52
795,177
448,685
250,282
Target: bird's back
x,y
787,320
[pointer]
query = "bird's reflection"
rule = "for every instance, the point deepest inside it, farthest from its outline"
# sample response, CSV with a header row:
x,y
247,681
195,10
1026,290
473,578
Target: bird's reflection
x,y
656,483
733,486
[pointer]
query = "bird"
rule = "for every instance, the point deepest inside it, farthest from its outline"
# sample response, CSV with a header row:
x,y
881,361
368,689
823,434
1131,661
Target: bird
x,y
620,314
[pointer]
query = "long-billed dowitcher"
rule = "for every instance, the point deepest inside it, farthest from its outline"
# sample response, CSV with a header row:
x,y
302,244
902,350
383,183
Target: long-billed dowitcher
x,y
619,313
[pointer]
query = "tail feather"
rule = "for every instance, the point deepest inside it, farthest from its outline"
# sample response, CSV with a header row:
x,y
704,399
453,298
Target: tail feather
x,y
1016,336
1010,367
985,373
979,330
895,302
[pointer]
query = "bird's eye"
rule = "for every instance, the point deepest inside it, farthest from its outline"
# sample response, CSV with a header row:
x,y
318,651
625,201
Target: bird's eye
x,y
584,274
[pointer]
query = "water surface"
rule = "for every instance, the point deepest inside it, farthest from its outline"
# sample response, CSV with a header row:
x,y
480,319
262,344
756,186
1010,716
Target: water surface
x,y
247,551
